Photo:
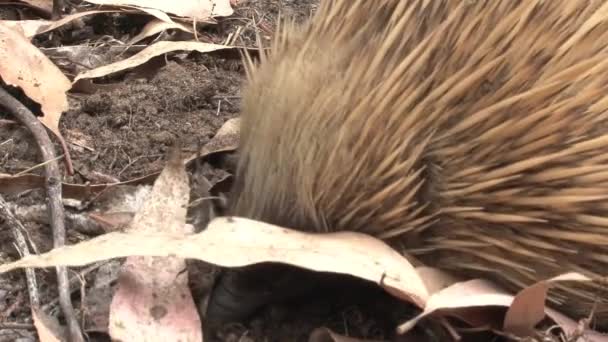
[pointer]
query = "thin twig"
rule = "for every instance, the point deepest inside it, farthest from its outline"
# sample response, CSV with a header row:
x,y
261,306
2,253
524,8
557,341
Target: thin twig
x,y
21,244
17,326
38,166
53,190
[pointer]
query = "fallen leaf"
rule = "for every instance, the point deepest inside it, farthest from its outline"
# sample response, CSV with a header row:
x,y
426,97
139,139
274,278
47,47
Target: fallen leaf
x,y
31,28
156,26
47,327
461,295
226,139
196,9
24,66
145,55
528,306
465,300
225,239
153,301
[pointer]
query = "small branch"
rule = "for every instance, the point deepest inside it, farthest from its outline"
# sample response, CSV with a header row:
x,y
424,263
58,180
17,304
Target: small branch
x,y
53,190
17,228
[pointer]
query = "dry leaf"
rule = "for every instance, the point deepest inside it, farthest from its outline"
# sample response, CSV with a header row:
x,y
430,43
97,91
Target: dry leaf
x,y
225,140
153,301
147,54
24,66
31,28
225,239
528,306
461,295
196,9
47,327
460,298
156,26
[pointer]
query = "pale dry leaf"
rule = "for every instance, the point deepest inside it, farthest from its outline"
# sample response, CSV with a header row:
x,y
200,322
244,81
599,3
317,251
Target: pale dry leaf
x,y
326,335
153,301
145,55
47,327
196,9
31,28
460,298
156,26
461,295
26,67
528,306
226,238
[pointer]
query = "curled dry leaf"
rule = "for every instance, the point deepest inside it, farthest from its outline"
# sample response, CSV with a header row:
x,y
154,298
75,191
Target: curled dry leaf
x,y
26,67
153,301
225,240
462,298
528,306
195,9
156,26
225,140
146,55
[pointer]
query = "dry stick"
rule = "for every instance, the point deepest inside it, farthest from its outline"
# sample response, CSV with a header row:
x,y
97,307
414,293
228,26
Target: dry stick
x,y
21,244
53,190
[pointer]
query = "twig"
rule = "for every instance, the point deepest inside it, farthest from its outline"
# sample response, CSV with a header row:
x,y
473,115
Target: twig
x,y
17,326
38,166
21,244
53,190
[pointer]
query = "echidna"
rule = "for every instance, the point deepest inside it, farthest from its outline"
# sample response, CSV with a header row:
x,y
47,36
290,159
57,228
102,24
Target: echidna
x,y
472,135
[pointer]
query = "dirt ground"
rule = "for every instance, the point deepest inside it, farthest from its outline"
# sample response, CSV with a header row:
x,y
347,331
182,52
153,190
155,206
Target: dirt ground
x,y
123,132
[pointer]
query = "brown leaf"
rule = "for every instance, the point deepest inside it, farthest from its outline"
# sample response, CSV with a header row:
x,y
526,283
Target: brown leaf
x,y
226,139
24,66
147,54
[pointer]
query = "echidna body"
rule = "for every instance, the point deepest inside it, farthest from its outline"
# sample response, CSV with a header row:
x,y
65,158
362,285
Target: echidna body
x,y
472,135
